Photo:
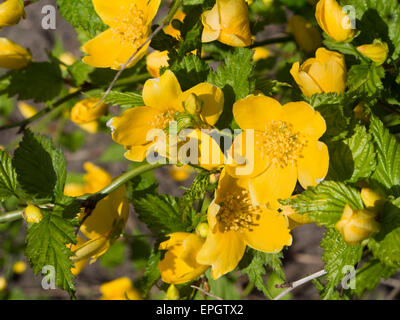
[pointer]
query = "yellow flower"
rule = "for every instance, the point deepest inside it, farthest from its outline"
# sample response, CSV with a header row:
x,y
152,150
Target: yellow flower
x,y
119,289
95,179
130,26
88,110
260,53
164,101
155,61
179,264
19,267
26,109
33,214
377,51
180,173
3,283
73,190
357,225
333,20
235,220
12,55
285,147
307,36
91,127
11,11
324,73
227,22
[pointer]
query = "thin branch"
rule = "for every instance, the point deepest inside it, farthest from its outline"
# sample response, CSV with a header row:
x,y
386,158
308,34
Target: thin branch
x,y
206,293
11,216
300,282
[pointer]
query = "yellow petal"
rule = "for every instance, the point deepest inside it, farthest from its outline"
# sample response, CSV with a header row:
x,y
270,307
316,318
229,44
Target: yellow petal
x,y
163,93
116,287
212,98
270,234
306,84
138,153
155,61
313,167
27,110
305,119
211,23
95,179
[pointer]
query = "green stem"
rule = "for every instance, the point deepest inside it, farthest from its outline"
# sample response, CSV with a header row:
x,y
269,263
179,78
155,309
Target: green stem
x,y
11,216
272,41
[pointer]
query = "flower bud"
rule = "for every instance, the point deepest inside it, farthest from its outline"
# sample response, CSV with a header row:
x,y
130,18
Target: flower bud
x,y
333,20
19,267
3,283
33,214
91,249
307,36
202,230
26,110
172,293
377,51
326,73
11,11
88,110
12,55
373,200
357,225
155,61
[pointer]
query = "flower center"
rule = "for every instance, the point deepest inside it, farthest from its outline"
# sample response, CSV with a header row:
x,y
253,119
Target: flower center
x,y
281,144
130,26
237,213
161,121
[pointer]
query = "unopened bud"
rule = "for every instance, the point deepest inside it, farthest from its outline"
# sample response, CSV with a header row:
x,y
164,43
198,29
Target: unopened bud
x,y
202,229
377,51
33,214
19,267
373,200
172,293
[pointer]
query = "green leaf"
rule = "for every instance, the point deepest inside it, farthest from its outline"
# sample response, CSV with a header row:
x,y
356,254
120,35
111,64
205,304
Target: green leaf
x,y
72,141
40,168
82,16
337,254
193,2
387,171
370,274
114,256
46,246
159,212
385,245
352,159
8,177
270,87
79,71
365,80
151,273
124,99
324,203
223,287
40,81
113,153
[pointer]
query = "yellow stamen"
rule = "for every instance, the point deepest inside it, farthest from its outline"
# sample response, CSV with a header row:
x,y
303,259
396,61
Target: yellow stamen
x,y
131,26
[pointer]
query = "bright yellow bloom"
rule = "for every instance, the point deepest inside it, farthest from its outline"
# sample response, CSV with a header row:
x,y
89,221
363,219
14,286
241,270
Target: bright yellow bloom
x,y
155,61
88,110
324,73
227,22
26,109
235,220
285,149
19,267
12,55
172,293
180,173
164,101
307,36
11,11
119,289
260,53
333,20
357,225
179,264
33,214
130,26
377,51
3,283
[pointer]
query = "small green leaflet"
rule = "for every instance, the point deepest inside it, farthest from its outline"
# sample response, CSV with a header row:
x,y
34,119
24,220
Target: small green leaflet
x,y
324,203
8,177
337,254
151,273
365,79
124,99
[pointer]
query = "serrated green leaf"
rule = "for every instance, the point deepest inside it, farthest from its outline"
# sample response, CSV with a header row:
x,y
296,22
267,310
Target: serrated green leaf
x,y
337,254
123,99
366,80
324,203
46,246
8,177
352,159
151,273
41,168
387,171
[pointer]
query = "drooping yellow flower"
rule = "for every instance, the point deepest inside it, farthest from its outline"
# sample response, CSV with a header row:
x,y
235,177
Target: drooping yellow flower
x,y
285,147
88,110
19,267
164,102
235,220
119,289
33,214
306,35
324,73
227,22
333,20
26,109
260,53
377,51
11,11
179,264
155,61
130,26
12,55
